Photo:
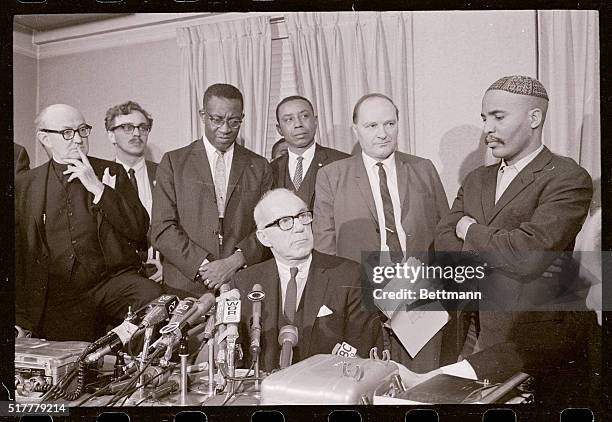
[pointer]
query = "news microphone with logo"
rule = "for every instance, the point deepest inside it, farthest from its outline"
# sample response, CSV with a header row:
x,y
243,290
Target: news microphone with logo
x,y
160,309
344,349
287,339
231,319
256,296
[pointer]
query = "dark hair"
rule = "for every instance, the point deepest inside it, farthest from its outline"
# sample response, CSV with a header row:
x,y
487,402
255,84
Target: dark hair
x,y
373,95
123,109
292,98
223,91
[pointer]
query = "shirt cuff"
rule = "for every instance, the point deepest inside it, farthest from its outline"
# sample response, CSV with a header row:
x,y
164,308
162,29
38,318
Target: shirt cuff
x,y
467,229
97,198
461,369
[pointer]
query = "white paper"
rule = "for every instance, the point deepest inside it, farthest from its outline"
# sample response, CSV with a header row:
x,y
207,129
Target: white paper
x,y
416,327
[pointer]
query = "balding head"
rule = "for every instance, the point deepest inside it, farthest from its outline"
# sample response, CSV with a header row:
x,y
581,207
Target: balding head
x,y
291,246
56,118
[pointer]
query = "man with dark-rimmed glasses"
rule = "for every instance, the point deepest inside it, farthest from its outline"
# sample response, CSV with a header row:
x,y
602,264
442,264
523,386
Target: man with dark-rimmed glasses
x,y
318,294
128,126
203,203
78,226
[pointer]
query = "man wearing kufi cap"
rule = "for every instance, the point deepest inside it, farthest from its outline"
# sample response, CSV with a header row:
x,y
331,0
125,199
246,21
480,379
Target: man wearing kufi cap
x,y
518,216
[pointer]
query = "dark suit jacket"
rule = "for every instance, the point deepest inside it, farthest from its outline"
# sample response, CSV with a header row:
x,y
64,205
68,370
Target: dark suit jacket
x,y
536,218
332,281
322,157
21,159
122,227
345,220
151,171
185,219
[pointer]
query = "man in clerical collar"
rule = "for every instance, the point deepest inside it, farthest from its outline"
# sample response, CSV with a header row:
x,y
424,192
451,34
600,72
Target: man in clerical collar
x,y
79,225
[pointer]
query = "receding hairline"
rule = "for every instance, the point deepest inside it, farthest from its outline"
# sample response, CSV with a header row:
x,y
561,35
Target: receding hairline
x,y
367,97
271,194
41,119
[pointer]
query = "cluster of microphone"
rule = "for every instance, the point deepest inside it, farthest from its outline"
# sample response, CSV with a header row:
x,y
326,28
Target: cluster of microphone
x,y
210,322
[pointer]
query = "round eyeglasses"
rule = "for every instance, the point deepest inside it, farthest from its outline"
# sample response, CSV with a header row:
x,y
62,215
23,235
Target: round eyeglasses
x,y
286,223
218,121
68,134
128,128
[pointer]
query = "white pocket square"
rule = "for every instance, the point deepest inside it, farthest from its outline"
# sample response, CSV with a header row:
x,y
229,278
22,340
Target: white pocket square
x,y
324,311
107,179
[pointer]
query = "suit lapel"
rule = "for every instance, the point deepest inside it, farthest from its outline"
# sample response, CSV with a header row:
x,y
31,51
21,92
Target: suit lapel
x,y
361,177
151,170
199,164
489,185
313,298
403,184
239,163
37,200
521,181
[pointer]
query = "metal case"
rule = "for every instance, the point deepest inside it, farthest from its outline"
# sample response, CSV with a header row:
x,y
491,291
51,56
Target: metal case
x,y
328,379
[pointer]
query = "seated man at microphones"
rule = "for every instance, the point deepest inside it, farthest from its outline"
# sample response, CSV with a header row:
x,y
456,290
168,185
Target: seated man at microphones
x,y
311,301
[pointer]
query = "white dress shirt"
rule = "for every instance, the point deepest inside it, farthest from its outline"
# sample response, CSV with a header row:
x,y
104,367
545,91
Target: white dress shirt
x,y
506,173
390,170
228,156
302,276
307,156
144,188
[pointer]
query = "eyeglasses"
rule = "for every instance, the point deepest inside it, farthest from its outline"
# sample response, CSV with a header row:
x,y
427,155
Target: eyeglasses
x,y
286,223
128,128
219,121
68,134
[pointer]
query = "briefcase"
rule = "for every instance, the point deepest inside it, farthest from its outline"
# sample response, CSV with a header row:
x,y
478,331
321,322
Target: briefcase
x,y
328,379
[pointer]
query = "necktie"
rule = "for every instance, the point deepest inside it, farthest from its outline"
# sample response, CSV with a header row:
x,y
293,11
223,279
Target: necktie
x,y
507,174
220,183
395,249
291,296
297,177
132,177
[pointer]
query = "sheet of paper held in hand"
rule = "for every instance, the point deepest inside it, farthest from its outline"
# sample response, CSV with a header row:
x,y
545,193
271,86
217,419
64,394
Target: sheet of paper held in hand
x,y
416,327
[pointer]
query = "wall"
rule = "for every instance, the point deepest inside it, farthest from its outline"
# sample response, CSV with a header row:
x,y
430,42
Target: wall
x,y
24,106
457,56
93,81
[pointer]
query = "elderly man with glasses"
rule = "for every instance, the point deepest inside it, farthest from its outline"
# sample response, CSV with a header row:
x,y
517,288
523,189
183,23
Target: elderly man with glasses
x,y
203,202
78,226
318,294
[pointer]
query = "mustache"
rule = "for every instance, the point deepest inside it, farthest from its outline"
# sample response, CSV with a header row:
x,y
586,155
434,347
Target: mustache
x,y
491,138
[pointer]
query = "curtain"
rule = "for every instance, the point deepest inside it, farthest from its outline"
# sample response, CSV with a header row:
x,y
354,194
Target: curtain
x,y
341,56
237,52
568,61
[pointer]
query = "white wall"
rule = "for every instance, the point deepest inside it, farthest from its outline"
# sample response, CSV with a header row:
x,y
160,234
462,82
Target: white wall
x,y
94,81
457,56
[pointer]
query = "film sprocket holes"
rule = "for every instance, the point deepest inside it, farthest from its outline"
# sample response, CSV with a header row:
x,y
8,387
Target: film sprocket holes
x,y
377,411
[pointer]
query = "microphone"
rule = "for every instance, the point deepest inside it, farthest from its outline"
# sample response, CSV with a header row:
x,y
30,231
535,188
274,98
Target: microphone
x,y
256,296
159,310
113,341
231,319
287,339
220,333
186,315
